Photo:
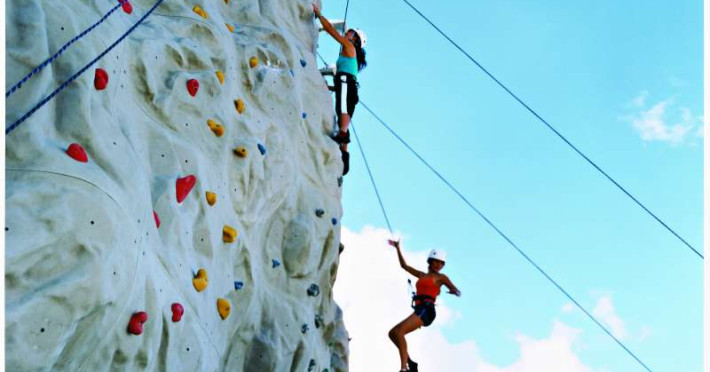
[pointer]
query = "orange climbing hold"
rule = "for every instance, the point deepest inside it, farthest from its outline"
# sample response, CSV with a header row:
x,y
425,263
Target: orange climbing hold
x,y
229,27
183,186
199,11
157,220
220,76
76,152
241,152
216,128
239,105
253,61
100,79
200,280
229,234
135,325
211,198
193,86
223,308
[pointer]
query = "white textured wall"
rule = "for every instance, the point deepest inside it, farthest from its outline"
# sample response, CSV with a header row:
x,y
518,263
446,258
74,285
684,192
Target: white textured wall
x,y
82,250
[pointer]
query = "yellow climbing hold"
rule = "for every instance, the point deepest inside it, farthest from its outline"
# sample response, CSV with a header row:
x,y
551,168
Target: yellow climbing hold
x,y
220,76
226,2
211,198
216,128
199,11
239,104
223,308
241,152
229,27
253,61
229,234
200,280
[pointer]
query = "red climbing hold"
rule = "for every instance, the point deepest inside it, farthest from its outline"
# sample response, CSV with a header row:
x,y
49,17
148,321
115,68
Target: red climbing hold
x,y
135,325
177,311
192,86
183,186
77,153
100,79
126,5
157,220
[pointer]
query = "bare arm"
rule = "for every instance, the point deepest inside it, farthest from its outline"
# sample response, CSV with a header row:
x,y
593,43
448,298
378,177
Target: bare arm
x,y
452,288
404,265
348,46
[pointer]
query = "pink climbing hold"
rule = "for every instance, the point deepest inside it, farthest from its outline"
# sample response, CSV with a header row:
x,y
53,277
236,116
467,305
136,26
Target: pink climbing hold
x,y
77,153
126,5
193,86
183,186
100,79
157,220
135,325
177,311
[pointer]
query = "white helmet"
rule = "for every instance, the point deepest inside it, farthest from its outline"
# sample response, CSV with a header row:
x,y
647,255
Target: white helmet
x,y
361,35
437,254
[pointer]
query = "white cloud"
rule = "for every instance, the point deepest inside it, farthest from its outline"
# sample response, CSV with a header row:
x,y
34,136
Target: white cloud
x,y
605,313
662,122
372,290
640,100
644,333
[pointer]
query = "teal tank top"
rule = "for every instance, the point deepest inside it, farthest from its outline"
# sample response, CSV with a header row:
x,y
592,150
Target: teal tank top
x,y
347,65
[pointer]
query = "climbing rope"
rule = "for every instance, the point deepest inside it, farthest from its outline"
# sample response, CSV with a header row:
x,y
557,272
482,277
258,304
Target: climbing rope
x,y
19,121
345,17
500,232
563,138
61,50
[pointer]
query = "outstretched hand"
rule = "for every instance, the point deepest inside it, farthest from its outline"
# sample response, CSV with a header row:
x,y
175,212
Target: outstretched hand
x,y
394,243
456,293
316,9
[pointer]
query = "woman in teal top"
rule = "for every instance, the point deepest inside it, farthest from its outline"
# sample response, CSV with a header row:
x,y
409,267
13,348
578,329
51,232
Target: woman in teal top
x,y
350,62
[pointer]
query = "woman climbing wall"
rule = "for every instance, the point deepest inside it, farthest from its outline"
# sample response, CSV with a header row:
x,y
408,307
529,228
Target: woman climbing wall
x,y
350,62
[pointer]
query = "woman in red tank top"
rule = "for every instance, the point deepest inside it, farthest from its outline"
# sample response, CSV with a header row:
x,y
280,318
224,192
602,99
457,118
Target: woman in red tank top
x,y
428,288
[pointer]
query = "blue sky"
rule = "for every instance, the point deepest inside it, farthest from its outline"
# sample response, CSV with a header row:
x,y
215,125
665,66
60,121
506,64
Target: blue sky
x,y
622,81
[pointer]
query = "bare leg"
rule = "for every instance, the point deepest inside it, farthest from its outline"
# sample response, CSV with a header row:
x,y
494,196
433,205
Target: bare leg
x,y
343,125
397,333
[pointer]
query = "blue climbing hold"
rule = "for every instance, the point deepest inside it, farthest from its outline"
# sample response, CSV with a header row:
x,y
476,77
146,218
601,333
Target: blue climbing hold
x,y
313,290
320,212
304,328
292,74
304,115
238,285
262,149
275,264
303,63
334,221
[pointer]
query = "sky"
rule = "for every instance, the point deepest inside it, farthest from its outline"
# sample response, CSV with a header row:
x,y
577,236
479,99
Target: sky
x,y
623,82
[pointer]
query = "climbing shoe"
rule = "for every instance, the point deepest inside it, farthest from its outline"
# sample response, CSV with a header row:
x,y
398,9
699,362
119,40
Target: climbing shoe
x,y
413,366
346,161
342,137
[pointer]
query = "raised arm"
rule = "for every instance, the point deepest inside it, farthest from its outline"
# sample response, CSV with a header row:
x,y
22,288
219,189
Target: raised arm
x,y
452,288
332,31
404,265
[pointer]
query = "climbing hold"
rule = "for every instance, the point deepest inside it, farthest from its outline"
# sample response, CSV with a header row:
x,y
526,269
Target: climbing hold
x,y
318,321
341,248
229,27
313,290
229,234
100,79
220,76
126,6
211,198
241,152
200,280
226,2
303,63
311,365
216,128
340,181
183,186
177,311
239,105
157,220
262,149
275,264
238,285
223,308
320,212
253,61
76,152
304,328
292,74
304,115
199,11
193,86
135,325
334,221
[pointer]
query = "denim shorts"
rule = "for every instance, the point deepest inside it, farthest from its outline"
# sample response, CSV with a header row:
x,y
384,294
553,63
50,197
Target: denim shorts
x,y
426,312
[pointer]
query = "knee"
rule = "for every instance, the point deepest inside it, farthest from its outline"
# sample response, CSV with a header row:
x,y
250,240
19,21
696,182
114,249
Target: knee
x,y
393,334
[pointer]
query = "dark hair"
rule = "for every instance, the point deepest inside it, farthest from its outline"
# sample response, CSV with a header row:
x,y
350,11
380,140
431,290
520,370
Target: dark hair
x,y
359,53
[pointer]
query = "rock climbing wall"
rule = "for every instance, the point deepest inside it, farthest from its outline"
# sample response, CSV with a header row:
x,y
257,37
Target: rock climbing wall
x,y
177,206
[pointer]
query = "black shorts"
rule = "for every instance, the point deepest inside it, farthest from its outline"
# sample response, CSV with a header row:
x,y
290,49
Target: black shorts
x,y
426,312
345,93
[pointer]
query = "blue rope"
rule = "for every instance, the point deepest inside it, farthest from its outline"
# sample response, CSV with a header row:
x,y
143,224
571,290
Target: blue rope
x,y
556,132
491,224
71,79
372,179
61,50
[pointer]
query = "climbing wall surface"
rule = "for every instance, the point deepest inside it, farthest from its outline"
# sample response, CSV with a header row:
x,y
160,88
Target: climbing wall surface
x,y
177,206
